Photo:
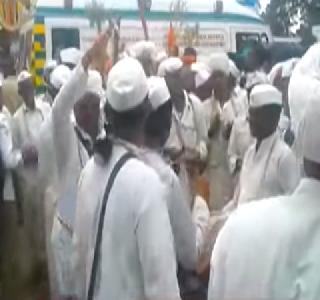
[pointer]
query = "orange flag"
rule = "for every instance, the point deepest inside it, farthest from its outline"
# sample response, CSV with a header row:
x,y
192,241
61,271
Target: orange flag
x,y
171,37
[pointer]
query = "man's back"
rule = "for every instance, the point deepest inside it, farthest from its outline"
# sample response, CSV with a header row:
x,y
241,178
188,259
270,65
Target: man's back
x,y
137,258
270,249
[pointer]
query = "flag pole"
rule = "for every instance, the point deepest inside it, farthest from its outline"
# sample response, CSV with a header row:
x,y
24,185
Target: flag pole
x,y
141,7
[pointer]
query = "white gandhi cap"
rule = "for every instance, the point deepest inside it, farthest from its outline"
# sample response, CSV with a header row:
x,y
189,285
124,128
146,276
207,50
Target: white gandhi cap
x,y
311,136
24,75
170,65
143,50
60,76
158,92
94,84
265,94
127,85
219,62
70,56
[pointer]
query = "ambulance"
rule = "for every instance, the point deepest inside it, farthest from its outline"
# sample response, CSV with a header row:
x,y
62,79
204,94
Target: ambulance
x,y
206,25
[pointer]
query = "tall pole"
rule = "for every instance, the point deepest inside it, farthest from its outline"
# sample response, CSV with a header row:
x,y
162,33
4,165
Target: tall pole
x,y
141,6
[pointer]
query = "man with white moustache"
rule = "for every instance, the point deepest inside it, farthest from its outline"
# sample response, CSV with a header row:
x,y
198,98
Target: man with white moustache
x,y
269,249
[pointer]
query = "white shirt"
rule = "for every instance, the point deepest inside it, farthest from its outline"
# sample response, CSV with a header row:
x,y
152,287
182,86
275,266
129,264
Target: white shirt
x,y
239,142
27,122
236,107
183,228
71,155
271,171
211,109
188,128
270,249
137,258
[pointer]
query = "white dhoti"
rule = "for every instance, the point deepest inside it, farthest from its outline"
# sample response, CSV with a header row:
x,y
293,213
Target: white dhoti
x,y
61,240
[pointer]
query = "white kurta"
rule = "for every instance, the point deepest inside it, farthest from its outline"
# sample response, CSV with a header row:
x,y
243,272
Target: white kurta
x,y
269,249
11,158
26,130
137,258
183,228
188,129
189,133
304,83
239,142
221,183
236,107
271,171
71,157
27,122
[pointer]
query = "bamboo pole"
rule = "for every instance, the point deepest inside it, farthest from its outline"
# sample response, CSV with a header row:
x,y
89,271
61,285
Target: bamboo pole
x,y
143,20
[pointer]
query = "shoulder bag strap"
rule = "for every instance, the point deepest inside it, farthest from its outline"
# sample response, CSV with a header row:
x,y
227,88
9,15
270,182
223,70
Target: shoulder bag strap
x,y
121,162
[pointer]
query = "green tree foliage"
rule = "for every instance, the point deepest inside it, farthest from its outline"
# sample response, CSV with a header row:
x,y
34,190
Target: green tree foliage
x,y
293,16
97,14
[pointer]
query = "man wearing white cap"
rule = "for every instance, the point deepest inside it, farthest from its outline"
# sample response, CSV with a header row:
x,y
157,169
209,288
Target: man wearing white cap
x,y
188,229
146,53
57,78
214,92
269,167
187,142
31,114
75,122
280,77
123,241
47,71
12,158
14,242
26,129
237,105
269,249
240,137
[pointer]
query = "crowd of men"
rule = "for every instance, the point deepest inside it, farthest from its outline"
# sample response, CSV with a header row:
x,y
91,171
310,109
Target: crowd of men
x,y
164,178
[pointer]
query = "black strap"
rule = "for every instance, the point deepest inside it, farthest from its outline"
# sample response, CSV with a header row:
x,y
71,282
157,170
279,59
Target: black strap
x,y
96,256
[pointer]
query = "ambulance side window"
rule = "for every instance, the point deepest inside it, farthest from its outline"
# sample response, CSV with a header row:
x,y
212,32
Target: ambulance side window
x,y
64,38
243,37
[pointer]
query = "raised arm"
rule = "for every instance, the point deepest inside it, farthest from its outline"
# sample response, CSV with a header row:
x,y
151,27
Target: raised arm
x,y
70,93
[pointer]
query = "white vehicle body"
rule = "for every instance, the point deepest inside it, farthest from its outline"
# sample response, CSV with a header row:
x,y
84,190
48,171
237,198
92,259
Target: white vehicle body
x,y
198,25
